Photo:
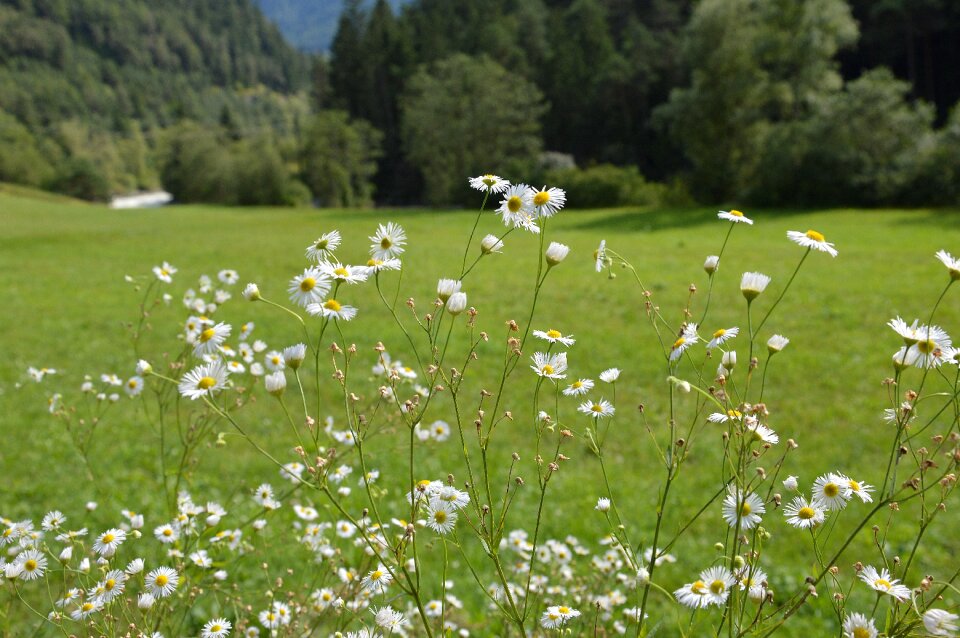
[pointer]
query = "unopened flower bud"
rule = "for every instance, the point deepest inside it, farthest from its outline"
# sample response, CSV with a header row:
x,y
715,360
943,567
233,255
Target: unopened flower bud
x,y
556,253
711,264
251,292
457,303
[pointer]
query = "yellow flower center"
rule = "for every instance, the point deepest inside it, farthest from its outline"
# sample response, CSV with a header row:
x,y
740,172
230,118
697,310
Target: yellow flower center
x,y
207,335
815,236
206,383
216,628
563,610
514,204
489,179
883,583
321,244
745,509
86,606
341,272
806,513
374,262
131,383
421,485
554,334
106,538
861,632
734,414
30,565
927,347
385,243
718,586
576,385
854,486
596,407
547,369
440,516
332,304
110,584
376,575
698,587
307,284
541,198
168,532
161,580
736,213
831,490
719,333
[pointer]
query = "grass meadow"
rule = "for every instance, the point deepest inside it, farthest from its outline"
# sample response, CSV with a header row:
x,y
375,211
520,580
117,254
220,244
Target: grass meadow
x,y
65,303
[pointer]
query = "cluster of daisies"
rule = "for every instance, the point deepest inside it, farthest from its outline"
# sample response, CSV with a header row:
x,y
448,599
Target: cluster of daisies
x,y
553,365
522,206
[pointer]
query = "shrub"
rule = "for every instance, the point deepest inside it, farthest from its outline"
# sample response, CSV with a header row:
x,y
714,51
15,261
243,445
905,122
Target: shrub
x,y
606,185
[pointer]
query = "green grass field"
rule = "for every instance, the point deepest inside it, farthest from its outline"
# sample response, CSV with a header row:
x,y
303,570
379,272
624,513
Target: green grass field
x,y
62,268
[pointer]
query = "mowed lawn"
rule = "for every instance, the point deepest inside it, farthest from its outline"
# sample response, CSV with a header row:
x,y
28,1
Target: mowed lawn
x,y
65,303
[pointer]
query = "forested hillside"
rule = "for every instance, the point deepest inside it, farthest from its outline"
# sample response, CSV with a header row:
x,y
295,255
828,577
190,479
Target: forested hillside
x,y
86,84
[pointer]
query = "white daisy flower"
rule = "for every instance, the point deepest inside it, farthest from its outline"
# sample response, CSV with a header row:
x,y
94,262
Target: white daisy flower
x,y
556,253
516,208
804,514
939,622
776,343
388,242
53,520
275,361
600,255
390,619
578,388
761,432
488,182
554,336
597,409
322,249
235,367
551,366
549,201
687,338
216,628
200,559
111,586
377,580
928,351
858,626
693,595
603,505
165,272
813,240
332,309
857,488
204,380
86,609
441,517
491,244
166,533
210,339
161,582
440,430
951,262
32,564
375,265
610,375
734,216
723,417
884,583
722,336
753,580
752,284
745,508
718,580
107,543
832,491
309,287
228,276
343,273
909,333
556,616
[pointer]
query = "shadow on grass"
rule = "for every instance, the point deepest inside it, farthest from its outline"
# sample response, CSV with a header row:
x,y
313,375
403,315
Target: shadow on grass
x,y
945,217
653,219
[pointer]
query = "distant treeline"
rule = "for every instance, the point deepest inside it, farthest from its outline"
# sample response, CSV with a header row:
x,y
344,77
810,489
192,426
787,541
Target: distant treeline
x,y
780,102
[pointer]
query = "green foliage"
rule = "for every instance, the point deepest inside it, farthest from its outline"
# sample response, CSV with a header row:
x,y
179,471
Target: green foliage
x,y
861,145
200,164
338,159
21,159
461,114
81,178
753,65
605,185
